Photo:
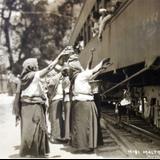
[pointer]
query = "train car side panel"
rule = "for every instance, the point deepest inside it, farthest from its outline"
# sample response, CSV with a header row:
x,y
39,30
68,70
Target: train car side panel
x,y
131,37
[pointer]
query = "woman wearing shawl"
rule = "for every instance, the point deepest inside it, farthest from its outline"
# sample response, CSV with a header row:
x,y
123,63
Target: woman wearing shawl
x,y
29,107
84,123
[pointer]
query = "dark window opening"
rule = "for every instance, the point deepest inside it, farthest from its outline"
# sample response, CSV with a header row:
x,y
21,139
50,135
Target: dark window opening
x,y
153,102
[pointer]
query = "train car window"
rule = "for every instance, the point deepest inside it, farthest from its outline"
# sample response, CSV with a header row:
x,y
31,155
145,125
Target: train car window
x,y
89,28
94,9
87,31
104,3
153,101
84,36
79,44
97,5
117,3
108,3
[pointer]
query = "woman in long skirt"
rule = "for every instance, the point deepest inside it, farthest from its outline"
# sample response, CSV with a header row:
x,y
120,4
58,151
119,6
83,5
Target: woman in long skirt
x,y
56,109
67,106
84,126
84,112
30,108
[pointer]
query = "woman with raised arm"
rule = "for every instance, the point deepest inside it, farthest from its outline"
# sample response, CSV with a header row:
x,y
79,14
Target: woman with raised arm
x,y
84,124
30,109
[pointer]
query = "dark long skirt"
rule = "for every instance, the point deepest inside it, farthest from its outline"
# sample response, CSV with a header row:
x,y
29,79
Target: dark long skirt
x,y
34,139
84,125
67,111
97,100
56,119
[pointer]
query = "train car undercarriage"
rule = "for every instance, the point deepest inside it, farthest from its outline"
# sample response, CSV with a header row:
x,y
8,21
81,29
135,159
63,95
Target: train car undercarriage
x,y
143,91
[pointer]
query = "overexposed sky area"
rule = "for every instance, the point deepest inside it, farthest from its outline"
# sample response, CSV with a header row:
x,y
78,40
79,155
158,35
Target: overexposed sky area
x,y
51,1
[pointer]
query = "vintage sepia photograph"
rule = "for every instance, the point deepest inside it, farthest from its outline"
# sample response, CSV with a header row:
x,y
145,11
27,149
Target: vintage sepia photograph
x,y
79,79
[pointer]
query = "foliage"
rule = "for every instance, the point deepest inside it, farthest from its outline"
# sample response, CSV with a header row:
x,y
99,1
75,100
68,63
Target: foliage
x,y
33,31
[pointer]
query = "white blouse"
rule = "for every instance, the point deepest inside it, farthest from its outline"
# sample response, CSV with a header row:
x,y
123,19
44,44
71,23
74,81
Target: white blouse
x,y
66,89
34,89
82,89
59,92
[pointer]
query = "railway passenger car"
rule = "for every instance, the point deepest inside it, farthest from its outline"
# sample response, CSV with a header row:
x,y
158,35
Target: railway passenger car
x,y
131,40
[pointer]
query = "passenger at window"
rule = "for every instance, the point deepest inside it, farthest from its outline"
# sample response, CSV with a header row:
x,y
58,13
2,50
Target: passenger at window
x,y
106,15
79,46
117,3
95,19
100,19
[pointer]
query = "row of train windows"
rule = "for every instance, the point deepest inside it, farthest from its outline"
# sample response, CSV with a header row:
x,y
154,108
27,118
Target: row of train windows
x,y
86,33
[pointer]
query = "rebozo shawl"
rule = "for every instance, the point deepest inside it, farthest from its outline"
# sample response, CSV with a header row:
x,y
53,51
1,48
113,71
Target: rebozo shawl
x,y
30,66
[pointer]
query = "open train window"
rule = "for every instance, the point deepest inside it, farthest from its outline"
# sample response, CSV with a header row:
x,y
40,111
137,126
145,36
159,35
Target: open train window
x,y
153,101
97,5
104,3
86,32
83,35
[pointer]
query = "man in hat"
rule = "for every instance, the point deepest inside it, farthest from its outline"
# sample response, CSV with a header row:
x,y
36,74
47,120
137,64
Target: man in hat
x,y
95,19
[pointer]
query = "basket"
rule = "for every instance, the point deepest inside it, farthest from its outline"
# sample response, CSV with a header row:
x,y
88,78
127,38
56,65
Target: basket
x,y
96,86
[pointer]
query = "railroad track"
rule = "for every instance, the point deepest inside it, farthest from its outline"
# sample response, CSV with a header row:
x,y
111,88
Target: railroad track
x,y
129,140
112,147
136,127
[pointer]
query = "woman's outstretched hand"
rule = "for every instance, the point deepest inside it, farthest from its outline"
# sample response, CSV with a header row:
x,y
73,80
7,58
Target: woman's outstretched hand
x,y
106,61
64,55
66,52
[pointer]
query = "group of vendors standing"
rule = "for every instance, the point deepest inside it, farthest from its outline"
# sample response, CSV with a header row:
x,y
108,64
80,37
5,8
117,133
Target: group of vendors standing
x,y
72,111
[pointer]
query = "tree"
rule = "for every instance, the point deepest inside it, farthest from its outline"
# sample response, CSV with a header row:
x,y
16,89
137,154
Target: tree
x,y
36,33
6,15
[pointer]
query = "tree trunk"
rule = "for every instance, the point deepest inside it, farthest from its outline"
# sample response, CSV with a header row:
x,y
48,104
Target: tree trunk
x,y
8,44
